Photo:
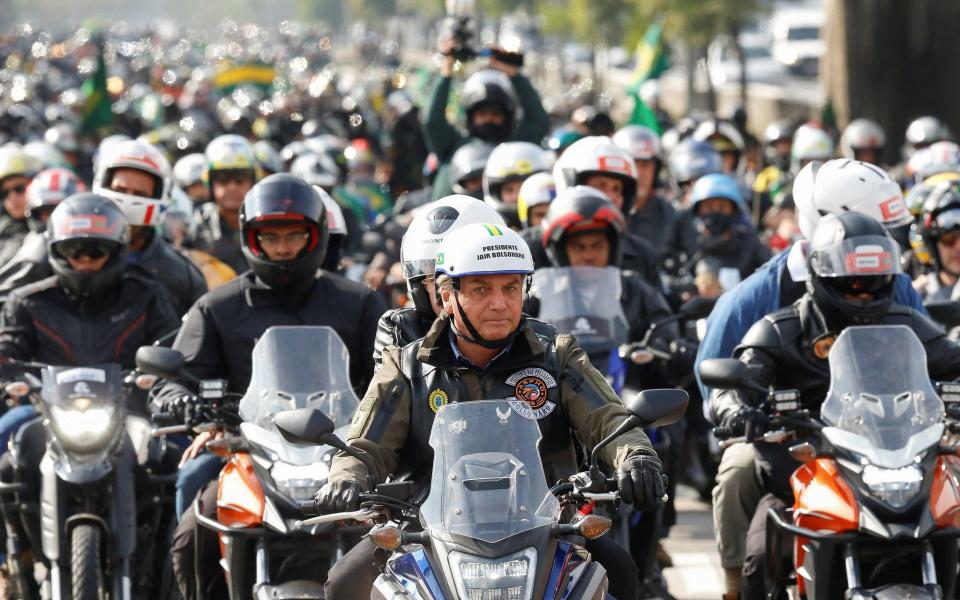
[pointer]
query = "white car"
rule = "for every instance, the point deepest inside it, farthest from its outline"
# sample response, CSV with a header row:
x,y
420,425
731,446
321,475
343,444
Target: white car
x,y
724,65
797,41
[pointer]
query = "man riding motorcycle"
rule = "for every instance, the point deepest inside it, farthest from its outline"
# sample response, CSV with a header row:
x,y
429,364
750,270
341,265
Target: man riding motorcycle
x,y
17,168
231,172
480,348
284,236
821,188
852,263
93,310
136,177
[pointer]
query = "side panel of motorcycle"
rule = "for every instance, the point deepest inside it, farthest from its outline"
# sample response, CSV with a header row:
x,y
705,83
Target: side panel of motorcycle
x,y
123,513
945,492
240,500
823,501
51,509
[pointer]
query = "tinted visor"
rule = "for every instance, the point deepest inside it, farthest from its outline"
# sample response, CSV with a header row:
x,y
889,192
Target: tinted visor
x,y
859,285
91,248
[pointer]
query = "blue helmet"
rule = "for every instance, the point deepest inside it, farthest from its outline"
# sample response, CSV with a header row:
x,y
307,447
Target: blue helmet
x,y
715,185
691,160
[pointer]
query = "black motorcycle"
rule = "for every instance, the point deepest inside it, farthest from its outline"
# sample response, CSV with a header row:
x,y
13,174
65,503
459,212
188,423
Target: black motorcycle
x,y
96,460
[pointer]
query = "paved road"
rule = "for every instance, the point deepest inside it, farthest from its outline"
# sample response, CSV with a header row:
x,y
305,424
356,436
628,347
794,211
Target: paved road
x,y
696,574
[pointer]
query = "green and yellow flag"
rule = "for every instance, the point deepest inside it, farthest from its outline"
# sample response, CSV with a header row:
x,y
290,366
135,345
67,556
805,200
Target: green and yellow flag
x,y
97,109
651,61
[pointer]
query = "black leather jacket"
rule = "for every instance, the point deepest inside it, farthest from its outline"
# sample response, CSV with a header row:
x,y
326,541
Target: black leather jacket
x,y
214,236
220,330
41,322
179,277
12,232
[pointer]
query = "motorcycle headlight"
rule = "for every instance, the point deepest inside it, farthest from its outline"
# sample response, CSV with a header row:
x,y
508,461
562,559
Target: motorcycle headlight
x,y
299,482
507,578
83,429
895,487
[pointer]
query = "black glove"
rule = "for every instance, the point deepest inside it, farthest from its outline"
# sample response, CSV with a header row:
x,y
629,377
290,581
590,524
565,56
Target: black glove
x,y
748,421
642,482
338,496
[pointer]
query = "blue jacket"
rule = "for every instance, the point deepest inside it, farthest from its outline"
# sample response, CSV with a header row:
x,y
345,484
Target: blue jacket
x,y
754,298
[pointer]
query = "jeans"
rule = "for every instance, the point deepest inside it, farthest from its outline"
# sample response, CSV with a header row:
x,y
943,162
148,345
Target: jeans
x,y
11,421
198,471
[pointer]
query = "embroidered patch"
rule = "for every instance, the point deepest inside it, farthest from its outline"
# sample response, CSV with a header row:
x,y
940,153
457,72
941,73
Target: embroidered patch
x,y
437,399
530,393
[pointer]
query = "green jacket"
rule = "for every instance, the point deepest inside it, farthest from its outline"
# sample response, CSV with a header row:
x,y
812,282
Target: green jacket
x,y
393,421
443,139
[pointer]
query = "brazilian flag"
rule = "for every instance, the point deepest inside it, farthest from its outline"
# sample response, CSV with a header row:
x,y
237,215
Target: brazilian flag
x,y
97,109
651,61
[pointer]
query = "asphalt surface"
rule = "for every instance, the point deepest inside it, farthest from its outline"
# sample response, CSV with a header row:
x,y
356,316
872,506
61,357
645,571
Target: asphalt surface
x,y
696,573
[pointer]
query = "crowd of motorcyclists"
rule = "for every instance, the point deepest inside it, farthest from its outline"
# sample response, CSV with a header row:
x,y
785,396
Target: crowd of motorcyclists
x,y
464,244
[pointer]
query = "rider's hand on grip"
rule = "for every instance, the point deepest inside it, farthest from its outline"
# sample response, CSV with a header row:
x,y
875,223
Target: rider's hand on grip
x,y
642,482
309,508
748,421
338,496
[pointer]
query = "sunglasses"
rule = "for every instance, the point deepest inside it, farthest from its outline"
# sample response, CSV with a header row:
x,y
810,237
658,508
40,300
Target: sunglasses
x,y
860,285
76,249
950,238
19,189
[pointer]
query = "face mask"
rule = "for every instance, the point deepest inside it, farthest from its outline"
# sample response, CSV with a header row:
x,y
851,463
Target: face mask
x,y
490,132
715,224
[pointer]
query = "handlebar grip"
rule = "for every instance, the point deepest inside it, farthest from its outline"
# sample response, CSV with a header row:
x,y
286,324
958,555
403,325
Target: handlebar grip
x,y
722,432
308,508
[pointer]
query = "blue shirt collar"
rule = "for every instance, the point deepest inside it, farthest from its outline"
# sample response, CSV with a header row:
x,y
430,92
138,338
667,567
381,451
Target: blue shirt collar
x,y
466,361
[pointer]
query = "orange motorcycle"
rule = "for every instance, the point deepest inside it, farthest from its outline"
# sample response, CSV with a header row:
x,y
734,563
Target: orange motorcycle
x,y
876,501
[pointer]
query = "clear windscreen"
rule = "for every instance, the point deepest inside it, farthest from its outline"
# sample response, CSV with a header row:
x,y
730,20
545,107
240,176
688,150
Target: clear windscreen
x,y
584,302
881,399
488,481
297,367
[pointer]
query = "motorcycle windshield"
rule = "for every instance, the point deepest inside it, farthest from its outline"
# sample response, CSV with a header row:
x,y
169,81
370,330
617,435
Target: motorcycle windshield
x,y
584,302
297,367
488,482
881,403
82,388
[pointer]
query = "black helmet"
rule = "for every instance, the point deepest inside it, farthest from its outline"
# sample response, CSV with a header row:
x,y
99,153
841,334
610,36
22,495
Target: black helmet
x,y
581,209
468,162
282,198
852,253
489,88
87,223
941,214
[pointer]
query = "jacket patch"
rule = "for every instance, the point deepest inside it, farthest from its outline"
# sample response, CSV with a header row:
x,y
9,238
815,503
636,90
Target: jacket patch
x,y
437,399
530,393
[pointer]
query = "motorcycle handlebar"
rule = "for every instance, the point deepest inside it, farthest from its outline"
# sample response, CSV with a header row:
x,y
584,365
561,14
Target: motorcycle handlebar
x,y
771,437
308,508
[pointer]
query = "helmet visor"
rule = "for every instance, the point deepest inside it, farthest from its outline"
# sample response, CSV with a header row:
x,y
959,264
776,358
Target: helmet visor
x,y
948,220
418,268
863,256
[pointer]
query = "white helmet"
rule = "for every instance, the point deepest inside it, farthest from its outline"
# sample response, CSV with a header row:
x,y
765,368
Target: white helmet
x,y
189,170
429,228
937,158
47,154
484,249
336,224
140,156
536,190
510,161
642,143
316,168
596,155
810,143
843,185
861,134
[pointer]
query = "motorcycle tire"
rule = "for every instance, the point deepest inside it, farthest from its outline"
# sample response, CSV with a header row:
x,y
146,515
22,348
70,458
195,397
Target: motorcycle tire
x,y
86,575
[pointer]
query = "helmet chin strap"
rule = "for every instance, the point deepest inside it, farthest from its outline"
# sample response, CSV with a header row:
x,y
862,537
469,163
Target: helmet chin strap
x,y
475,337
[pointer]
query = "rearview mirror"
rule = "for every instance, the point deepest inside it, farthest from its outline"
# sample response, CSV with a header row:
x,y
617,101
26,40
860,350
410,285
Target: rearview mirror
x,y
724,374
160,361
698,308
946,313
306,426
656,408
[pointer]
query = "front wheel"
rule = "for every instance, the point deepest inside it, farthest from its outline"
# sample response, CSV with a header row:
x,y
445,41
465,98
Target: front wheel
x,y
86,575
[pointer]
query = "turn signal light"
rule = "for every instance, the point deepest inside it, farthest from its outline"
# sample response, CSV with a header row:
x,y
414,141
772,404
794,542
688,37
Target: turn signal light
x,y
388,538
804,452
593,526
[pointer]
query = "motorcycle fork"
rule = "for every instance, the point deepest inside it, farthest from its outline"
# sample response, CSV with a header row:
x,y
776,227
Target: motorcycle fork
x,y
851,564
